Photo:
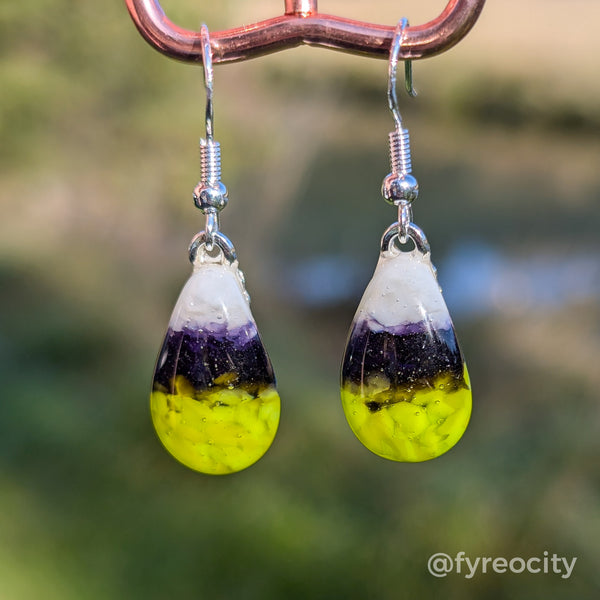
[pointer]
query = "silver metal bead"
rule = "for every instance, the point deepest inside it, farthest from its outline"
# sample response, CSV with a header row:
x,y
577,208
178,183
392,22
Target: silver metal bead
x,y
210,197
400,187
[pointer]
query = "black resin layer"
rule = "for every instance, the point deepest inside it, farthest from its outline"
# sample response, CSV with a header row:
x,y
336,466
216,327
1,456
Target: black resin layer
x,y
237,356
411,358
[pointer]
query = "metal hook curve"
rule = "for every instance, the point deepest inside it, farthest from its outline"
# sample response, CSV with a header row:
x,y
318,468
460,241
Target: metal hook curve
x,y
392,68
208,80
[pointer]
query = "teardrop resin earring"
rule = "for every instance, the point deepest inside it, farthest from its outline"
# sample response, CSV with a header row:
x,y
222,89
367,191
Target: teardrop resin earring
x,y
214,403
405,387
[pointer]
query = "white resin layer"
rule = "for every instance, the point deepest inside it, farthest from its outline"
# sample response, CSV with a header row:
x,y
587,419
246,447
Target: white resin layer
x,y
403,290
212,298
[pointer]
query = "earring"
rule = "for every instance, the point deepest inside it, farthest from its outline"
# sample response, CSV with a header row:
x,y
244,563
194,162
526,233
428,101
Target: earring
x,y
214,403
405,388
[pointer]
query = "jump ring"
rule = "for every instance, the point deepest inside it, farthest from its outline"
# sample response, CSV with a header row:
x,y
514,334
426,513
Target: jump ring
x,y
218,239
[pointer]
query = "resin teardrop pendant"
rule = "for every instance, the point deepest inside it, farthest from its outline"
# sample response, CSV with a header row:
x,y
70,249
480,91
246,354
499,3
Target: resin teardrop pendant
x,y
214,403
405,387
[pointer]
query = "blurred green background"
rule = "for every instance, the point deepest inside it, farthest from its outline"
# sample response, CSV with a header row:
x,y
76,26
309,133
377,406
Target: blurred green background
x,y
98,158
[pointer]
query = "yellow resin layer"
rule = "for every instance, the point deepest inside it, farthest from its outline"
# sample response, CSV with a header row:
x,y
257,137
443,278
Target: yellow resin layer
x,y
410,426
215,432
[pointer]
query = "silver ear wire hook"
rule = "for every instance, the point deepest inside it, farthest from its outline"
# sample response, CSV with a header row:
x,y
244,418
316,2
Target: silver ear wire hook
x,y
210,195
399,187
408,73
208,80
408,82
392,68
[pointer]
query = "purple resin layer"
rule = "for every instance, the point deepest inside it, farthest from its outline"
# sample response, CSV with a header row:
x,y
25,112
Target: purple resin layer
x,y
201,356
410,355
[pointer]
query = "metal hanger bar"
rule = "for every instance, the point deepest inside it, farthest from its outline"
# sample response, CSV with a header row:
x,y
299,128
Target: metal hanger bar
x,y
303,24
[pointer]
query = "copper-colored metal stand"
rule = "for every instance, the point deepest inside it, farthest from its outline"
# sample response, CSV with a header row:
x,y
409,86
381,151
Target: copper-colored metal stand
x,y
303,24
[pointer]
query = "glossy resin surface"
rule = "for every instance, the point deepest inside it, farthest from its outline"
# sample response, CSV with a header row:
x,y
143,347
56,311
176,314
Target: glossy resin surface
x,y
214,403
405,387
